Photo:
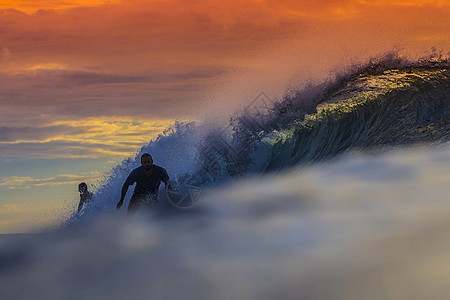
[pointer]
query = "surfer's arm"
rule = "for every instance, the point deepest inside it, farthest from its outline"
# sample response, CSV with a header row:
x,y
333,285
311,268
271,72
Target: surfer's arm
x,y
167,185
131,179
165,179
122,196
80,205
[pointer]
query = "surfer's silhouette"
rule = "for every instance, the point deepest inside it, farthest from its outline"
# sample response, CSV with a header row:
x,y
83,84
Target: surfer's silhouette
x,y
148,177
85,195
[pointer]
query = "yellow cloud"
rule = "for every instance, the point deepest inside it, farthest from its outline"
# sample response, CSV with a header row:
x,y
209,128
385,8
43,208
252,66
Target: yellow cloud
x,y
24,217
115,130
88,138
47,66
12,207
13,182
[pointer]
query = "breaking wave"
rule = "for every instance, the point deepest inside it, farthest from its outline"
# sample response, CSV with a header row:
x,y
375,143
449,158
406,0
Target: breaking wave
x,y
386,103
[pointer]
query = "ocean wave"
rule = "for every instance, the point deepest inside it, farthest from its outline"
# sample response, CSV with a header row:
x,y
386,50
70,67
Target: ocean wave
x,y
388,102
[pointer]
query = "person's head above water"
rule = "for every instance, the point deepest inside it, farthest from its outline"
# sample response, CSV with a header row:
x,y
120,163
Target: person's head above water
x,y
82,187
147,161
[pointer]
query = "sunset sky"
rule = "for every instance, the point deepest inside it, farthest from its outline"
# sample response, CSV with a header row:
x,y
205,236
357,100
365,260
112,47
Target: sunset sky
x,y
84,84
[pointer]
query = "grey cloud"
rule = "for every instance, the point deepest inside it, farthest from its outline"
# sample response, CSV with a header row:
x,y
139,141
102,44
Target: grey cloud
x,y
185,76
62,149
78,94
8,134
67,78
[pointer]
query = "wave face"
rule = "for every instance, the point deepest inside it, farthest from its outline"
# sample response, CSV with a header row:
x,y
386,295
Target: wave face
x,y
395,107
384,104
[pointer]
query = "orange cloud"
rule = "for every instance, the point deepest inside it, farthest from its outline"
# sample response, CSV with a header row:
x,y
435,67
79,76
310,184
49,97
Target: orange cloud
x,y
33,6
178,36
407,2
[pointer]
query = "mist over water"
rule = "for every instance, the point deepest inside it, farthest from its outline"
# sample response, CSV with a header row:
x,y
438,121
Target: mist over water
x,y
362,227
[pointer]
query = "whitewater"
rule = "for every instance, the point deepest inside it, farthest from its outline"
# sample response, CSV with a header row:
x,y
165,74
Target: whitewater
x,y
338,190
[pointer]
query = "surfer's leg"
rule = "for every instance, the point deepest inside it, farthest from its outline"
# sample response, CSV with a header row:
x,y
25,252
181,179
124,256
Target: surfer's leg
x,y
133,206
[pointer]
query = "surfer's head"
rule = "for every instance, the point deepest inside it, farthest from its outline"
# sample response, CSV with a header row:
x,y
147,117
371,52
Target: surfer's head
x,y
82,187
146,161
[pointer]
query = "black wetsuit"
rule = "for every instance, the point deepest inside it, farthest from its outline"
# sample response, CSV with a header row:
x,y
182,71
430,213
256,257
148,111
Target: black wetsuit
x,y
146,190
84,200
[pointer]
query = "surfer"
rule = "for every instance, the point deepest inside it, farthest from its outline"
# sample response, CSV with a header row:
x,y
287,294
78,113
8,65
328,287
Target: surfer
x,y
148,177
85,195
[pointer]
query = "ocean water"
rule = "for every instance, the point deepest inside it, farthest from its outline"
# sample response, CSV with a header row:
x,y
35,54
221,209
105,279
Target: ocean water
x,y
337,191
364,226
